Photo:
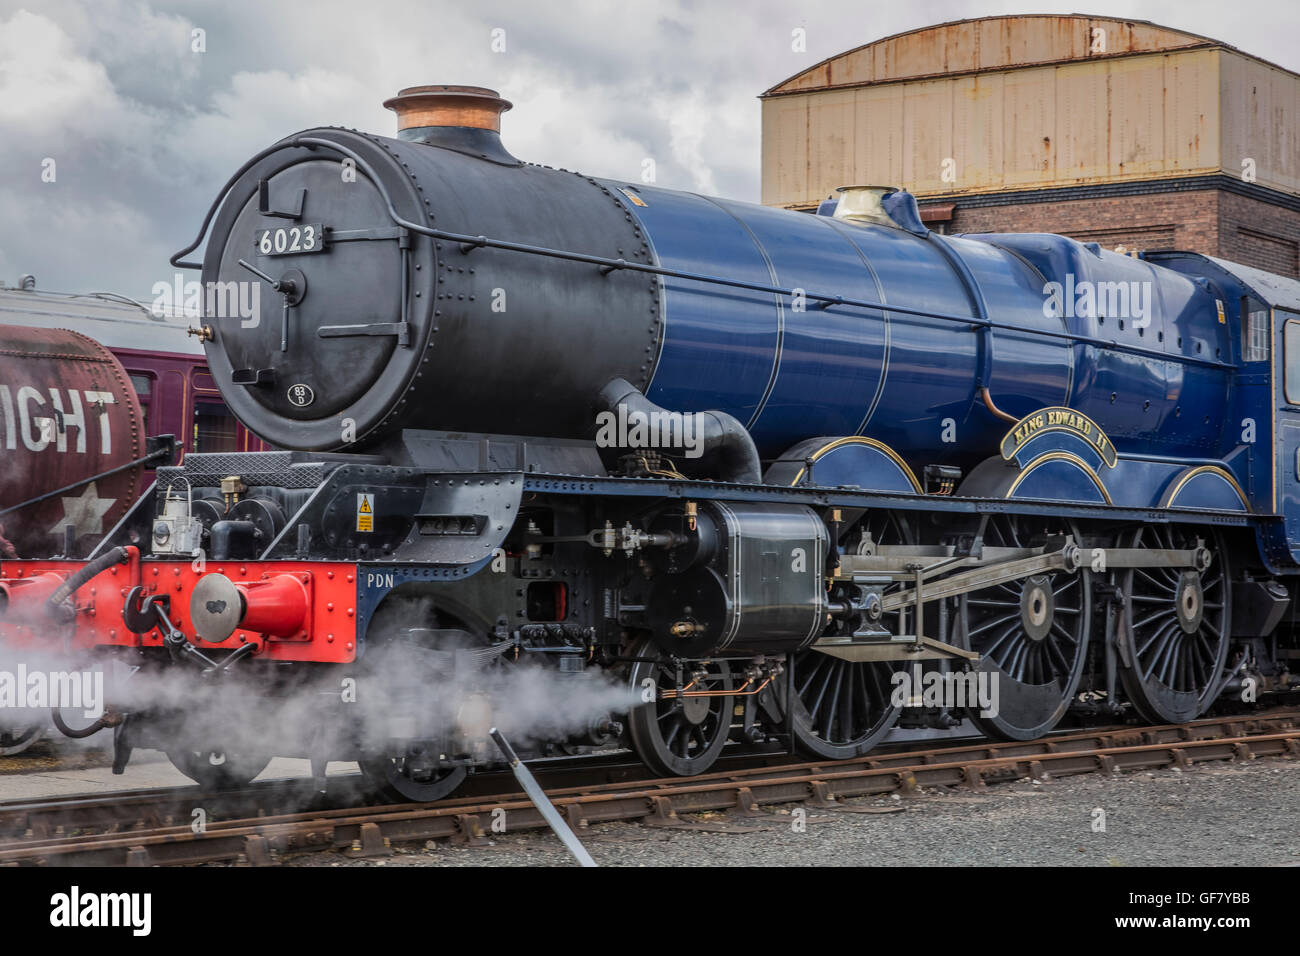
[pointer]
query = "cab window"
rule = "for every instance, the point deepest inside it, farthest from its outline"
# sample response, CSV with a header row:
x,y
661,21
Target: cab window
x,y
1254,330
1291,358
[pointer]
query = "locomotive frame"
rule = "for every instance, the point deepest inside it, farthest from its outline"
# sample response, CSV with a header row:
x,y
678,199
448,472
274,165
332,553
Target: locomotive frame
x,y
604,623
767,593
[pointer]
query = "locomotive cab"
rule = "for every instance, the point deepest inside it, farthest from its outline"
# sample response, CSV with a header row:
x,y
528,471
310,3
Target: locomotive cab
x,y
1263,419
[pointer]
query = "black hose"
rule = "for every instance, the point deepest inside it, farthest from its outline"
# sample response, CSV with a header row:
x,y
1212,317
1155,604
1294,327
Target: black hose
x,y
54,603
242,651
67,731
720,434
225,535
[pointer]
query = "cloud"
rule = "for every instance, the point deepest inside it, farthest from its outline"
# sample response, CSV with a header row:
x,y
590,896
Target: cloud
x,y
145,130
44,80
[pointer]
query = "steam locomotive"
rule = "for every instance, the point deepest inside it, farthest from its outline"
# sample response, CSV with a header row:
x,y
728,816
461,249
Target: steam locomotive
x,y
749,464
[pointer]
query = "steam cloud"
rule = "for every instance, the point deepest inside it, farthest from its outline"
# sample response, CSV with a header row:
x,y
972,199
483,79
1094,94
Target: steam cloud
x,y
406,691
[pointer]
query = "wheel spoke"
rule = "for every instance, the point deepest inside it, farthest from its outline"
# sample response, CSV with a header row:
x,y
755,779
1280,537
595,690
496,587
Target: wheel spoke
x,y
837,679
1159,585
1062,665
862,697
1153,616
1207,654
1155,634
880,684
1167,637
1190,661
994,622
847,683
815,707
822,660
1168,669
1059,629
988,651
1014,658
1030,665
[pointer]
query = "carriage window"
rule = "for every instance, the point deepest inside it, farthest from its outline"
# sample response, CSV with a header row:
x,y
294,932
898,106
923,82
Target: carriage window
x,y
142,382
1291,344
214,428
1254,344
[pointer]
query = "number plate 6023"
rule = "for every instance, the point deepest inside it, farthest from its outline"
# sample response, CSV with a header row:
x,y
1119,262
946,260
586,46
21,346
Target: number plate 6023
x,y
290,240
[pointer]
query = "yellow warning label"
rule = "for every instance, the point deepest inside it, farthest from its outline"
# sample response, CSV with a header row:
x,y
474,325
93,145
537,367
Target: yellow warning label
x,y
1219,303
365,512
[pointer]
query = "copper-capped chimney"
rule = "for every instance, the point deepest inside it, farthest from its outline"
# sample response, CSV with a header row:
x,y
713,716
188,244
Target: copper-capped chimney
x,y
466,119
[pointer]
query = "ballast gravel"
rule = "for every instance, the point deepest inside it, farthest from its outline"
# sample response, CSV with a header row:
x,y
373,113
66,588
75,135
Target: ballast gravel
x,y
1221,814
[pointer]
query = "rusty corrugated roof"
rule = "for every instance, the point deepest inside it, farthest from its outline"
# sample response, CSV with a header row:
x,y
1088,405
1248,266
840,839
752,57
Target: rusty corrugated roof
x,y
991,43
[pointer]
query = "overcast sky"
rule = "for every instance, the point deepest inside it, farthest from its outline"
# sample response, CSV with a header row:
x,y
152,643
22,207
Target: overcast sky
x,y
143,130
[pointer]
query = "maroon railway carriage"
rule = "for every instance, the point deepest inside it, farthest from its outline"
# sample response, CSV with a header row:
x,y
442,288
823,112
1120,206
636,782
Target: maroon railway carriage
x,y
101,375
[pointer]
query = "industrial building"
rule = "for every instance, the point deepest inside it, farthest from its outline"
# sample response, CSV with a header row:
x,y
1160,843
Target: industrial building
x,y
1121,132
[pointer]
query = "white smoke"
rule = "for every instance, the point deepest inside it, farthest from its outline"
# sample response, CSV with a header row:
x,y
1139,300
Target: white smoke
x,y
392,694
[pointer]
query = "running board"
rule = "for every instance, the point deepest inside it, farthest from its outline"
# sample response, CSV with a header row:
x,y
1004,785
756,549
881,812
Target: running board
x,y
904,648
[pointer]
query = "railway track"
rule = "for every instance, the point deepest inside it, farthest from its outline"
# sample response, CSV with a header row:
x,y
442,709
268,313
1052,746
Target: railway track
x,y
154,827
46,817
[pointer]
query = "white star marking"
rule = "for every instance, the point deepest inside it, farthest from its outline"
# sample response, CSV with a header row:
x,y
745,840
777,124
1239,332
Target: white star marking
x,y
84,512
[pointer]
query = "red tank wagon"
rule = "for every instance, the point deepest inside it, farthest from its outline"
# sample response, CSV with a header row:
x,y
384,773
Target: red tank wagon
x,y
67,412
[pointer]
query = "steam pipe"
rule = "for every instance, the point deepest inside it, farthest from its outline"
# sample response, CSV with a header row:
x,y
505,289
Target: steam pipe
x,y
224,533
81,734
242,651
718,432
992,406
54,603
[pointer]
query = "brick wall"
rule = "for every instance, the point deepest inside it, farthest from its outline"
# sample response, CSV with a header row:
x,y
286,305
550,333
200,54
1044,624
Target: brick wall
x,y
1209,221
1259,234
1166,220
